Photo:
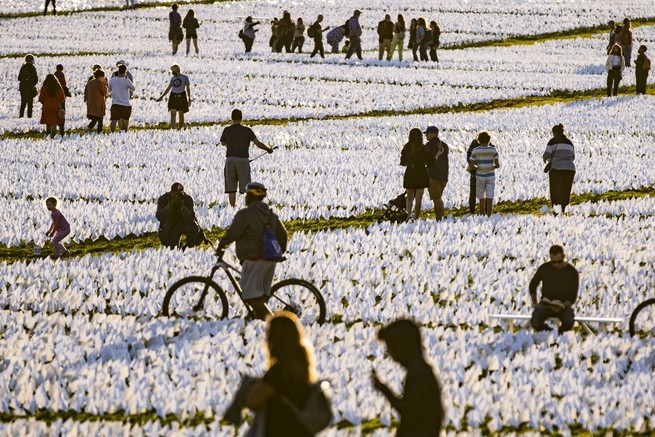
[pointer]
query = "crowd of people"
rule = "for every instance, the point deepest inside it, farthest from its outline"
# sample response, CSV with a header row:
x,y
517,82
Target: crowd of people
x,y
288,34
619,56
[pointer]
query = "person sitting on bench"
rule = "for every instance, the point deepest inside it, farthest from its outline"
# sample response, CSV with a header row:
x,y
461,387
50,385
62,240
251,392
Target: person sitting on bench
x,y
559,291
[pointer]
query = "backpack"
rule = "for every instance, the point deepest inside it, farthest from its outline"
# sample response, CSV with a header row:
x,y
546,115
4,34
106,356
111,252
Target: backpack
x,y
646,64
271,249
312,32
316,414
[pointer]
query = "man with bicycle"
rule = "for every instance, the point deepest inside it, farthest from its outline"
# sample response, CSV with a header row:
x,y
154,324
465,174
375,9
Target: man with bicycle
x,y
247,229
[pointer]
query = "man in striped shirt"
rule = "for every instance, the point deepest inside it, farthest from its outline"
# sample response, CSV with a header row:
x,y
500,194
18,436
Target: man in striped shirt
x,y
484,160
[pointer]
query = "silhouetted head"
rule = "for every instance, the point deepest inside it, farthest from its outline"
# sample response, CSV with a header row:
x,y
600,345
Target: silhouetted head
x,y
484,137
175,6
289,348
403,340
558,129
237,115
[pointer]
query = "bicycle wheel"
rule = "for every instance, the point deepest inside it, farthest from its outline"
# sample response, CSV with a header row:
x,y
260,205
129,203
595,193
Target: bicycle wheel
x,y
183,299
643,318
301,298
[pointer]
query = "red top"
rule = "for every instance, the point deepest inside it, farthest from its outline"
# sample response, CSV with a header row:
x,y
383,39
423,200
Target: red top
x,y
51,107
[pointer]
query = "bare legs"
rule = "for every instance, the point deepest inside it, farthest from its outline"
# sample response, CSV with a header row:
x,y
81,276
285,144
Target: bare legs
x,y
486,206
175,125
414,200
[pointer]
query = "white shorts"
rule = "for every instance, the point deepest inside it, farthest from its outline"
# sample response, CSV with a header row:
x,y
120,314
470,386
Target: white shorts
x,y
256,278
484,187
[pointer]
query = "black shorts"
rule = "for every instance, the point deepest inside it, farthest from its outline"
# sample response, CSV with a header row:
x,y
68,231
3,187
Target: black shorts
x,y
178,102
119,112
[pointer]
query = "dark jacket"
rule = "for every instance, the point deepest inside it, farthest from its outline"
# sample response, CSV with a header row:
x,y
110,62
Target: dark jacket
x,y
561,284
27,77
639,64
421,410
170,216
247,229
385,30
473,145
438,170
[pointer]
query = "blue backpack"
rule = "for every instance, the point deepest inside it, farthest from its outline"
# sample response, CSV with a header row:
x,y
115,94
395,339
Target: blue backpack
x,y
271,249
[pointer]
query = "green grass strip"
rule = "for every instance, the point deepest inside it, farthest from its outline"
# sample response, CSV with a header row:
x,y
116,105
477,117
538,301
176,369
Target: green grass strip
x,y
150,240
556,96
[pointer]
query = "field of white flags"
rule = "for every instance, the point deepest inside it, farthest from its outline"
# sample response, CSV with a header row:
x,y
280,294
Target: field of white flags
x,y
84,347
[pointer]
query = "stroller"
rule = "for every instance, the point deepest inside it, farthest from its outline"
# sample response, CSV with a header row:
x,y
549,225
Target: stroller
x,y
396,209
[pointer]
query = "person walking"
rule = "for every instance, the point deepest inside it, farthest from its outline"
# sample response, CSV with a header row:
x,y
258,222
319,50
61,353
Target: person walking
x,y
472,177
175,33
484,160
177,218
559,291
642,67
423,38
247,230
237,139
355,34
191,25
416,158
95,95
437,172
180,99
614,65
334,37
120,88
54,7
399,30
317,35
51,97
435,33
27,81
248,33
560,153
298,36
61,77
413,44
420,408
385,35
626,41
59,229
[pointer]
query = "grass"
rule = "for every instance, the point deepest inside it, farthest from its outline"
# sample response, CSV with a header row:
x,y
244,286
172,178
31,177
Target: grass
x,y
556,96
24,251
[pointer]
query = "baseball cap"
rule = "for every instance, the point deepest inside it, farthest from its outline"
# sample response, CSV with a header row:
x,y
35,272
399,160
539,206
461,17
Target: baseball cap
x,y
357,12
256,188
121,62
431,130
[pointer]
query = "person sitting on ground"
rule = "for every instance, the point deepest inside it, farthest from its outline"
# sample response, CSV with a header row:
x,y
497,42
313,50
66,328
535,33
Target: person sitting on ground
x,y
346,46
420,407
176,218
247,229
59,229
559,291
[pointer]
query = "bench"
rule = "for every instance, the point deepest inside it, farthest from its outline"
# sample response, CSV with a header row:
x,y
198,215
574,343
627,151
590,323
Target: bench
x,y
582,321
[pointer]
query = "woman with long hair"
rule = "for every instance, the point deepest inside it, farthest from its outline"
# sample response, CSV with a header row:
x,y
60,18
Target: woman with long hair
x,y
416,158
191,24
561,155
435,31
290,374
626,41
423,38
413,25
298,36
398,40
615,65
51,97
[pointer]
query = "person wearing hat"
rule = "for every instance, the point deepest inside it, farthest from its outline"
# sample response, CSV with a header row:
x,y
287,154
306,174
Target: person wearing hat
x,y
355,35
176,218
437,172
236,138
180,98
27,80
642,67
247,230
118,64
420,408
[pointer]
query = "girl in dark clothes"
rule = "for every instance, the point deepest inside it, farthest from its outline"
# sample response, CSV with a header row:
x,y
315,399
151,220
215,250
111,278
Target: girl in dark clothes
x,y
416,158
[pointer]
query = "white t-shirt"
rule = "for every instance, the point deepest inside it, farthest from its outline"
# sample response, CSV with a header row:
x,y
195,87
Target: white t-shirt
x,y
616,61
120,87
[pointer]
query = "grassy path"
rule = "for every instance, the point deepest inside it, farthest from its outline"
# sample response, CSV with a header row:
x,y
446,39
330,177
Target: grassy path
x,y
24,252
556,96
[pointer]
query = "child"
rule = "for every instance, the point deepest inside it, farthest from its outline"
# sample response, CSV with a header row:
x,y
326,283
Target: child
x,y
420,408
59,227
346,46
642,66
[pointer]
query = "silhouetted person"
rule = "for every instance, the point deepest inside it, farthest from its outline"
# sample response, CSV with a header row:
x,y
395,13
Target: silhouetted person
x,y
175,32
54,7
27,80
248,33
420,408
61,77
317,35
559,291
642,67
355,34
177,217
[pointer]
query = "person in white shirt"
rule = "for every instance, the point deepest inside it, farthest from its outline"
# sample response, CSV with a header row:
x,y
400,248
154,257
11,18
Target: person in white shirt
x,y
614,66
121,109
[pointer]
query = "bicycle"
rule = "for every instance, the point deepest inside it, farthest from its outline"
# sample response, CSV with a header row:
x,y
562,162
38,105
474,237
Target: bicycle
x,y
198,296
646,316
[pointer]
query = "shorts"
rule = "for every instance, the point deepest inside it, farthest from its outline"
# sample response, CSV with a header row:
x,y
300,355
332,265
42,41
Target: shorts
x,y
484,187
178,102
256,278
436,189
237,170
119,112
